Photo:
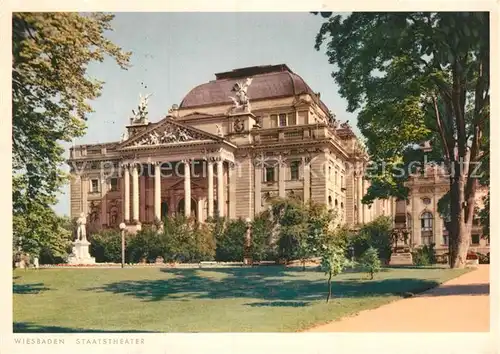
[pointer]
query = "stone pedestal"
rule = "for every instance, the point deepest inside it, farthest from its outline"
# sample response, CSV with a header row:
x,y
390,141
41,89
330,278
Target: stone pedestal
x,y
81,254
401,258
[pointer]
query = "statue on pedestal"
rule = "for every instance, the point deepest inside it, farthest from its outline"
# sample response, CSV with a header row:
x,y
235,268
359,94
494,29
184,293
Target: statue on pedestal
x,y
80,252
81,233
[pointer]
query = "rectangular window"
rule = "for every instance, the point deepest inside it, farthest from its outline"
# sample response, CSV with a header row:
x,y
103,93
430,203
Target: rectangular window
x,y
336,177
341,181
270,174
475,239
294,170
282,120
94,187
274,120
113,184
292,119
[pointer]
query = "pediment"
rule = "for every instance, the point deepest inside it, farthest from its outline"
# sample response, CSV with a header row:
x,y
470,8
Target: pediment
x,y
169,132
180,185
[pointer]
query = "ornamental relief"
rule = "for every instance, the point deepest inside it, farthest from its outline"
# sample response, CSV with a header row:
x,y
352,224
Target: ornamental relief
x,y
170,135
426,190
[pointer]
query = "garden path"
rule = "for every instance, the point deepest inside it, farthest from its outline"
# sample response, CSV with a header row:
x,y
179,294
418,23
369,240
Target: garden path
x,y
459,305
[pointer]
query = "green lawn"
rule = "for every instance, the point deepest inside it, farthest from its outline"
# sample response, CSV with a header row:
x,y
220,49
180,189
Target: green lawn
x,y
272,299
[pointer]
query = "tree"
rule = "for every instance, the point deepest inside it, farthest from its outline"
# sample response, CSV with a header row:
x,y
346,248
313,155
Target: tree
x,y
415,77
50,101
332,262
371,262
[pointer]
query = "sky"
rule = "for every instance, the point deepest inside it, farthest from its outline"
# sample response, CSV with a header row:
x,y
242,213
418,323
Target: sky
x,y
174,52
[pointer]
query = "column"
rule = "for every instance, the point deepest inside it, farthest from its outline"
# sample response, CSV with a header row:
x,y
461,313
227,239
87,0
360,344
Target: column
x,y
232,190
187,188
359,206
257,187
220,188
104,201
135,192
126,193
157,198
281,179
142,198
210,177
306,175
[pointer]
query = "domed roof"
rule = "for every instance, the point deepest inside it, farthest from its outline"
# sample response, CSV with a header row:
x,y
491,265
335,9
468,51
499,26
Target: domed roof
x,y
271,81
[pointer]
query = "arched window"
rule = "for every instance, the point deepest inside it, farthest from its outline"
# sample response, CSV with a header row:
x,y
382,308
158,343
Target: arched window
x,y
426,224
330,201
180,207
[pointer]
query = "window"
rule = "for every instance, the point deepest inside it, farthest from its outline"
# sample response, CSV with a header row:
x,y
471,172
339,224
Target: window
x,y
294,170
113,184
330,201
336,174
270,174
341,181
94,187
475,239
426,201
282,120
292,119
426,222
330,172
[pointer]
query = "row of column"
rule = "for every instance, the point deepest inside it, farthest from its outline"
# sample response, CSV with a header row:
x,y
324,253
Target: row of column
x,y
133,170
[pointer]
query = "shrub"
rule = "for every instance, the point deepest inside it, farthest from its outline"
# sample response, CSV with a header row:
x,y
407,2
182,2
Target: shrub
x,y
187,241
230,240
424,256
145,244
106,246
370,261
376,234
264,247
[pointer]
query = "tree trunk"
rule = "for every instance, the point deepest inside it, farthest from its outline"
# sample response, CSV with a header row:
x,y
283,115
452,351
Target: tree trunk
x,y
304,265
459,226
329,287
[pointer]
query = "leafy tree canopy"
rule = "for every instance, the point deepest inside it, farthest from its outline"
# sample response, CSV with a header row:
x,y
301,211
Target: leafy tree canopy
x,y
413,77
51,94
416,77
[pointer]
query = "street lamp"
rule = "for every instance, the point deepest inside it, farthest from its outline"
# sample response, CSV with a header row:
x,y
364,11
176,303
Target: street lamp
x,y
122,230
352,253
248,242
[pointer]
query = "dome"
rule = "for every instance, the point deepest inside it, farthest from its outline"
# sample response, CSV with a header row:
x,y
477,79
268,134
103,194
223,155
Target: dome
x,y
271,81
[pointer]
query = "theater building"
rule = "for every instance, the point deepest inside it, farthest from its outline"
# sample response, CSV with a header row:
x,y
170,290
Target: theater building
x,y
228,148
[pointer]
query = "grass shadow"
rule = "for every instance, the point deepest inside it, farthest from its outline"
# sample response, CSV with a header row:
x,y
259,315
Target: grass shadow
x,y
24,289
29,327
258,284
466,289
279,304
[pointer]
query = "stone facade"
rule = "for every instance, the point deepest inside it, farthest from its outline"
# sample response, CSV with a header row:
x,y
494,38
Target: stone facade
x,y
248,136
425,224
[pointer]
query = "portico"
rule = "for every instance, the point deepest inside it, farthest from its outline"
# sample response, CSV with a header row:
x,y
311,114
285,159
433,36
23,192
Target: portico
x,y
185,186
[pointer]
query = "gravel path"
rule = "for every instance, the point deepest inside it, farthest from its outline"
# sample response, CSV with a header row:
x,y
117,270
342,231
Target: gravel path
x,y
459,305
